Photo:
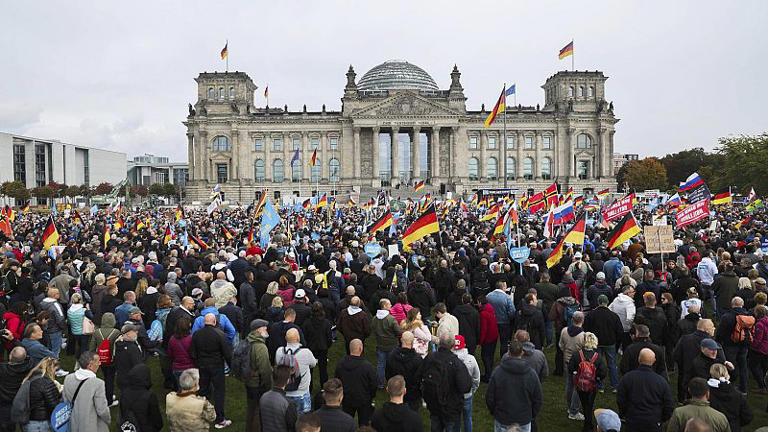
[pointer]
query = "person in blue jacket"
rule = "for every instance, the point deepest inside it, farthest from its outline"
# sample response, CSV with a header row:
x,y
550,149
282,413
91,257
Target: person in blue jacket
x,y
222,322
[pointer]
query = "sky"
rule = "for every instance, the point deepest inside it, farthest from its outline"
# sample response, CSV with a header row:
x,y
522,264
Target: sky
x,y
119,75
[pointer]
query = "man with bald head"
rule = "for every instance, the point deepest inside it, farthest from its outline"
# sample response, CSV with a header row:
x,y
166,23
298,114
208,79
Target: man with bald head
x,y
354,322
359,379
222,290
12,374
644,397
687,350
209,350
298,395
405,361
733,335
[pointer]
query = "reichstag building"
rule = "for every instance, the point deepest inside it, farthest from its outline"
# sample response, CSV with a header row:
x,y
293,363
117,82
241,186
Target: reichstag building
x,y
396,127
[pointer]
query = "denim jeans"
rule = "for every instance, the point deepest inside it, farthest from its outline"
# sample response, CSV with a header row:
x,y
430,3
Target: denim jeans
x,y
440,423
571,396
498,427
707,293
737,354
467,414
37,426
381,367
549,328
608,352
303,403
55,338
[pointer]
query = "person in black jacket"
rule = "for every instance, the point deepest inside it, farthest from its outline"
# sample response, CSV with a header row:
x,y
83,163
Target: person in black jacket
x,y
443,371
317,331
128,353
139,402
469,322
248,300
395,415
331,416
359,379
644,398
588,353
724,397
209,350
404,361
641,339
735,352
687,324
43,393
419,297
514,391
606,325
653,317
688,349
235,315
301,306
531,319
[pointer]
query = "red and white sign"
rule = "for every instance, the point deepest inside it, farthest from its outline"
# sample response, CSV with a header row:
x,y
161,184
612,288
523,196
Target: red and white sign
x,y
618,208
693,213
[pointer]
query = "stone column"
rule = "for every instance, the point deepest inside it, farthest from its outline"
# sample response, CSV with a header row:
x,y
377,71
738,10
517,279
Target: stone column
x,y
605,153
305,155
483,156
570,144
356,132
234,155
416,154
434,150
395,162
452,173
244,153
191,156
205,146
520,141
537,163
609,145
376,156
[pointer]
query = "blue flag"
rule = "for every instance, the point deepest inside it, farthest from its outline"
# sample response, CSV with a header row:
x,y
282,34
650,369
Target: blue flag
x,y
295,157
270,219
94,210
510,90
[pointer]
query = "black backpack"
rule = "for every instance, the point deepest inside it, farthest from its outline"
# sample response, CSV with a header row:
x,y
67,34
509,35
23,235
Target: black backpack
x,y
241,361
435,382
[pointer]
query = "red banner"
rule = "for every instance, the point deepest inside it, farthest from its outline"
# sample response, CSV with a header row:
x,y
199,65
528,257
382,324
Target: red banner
x,y
618,208
693,213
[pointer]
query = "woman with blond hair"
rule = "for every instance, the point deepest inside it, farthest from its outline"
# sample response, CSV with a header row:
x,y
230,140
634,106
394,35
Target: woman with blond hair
x,y
44,395
724,397
266,299
587,396
421,335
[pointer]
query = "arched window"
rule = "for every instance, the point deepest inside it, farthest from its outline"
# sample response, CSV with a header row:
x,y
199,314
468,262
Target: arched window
x,y
511,168
591,91
492,168
581,91
222,93
317,170
546,168
259,172
583,141
221,144
334,170
570,91
211,93
473,168
231,92
528,168
278,173
296,171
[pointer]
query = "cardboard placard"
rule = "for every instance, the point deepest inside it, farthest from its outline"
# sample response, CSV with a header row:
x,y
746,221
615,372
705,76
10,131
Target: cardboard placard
x,y
659,239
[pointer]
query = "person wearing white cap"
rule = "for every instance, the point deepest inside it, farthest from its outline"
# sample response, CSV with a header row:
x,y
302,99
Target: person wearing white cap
x,y
579,268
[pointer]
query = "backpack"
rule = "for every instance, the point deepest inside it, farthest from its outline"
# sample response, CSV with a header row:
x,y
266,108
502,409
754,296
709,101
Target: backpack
x,y
585,379
522,320
241,361
743,328
289,359
105,350
568,312
435,382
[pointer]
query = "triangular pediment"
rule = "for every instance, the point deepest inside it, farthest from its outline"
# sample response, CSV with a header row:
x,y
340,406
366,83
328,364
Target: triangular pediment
x,y
405,104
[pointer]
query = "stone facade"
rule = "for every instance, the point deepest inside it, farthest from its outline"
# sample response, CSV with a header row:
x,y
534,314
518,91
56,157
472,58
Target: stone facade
x,y
245,149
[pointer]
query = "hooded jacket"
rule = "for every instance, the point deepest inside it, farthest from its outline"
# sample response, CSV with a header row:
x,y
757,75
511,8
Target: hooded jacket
x,y
469,324
725,287
354,323
724,397
173,289
11,376
514,392
397,418
405,362
359,379
531,319
58,320
605,324
223,323
386,330
624,306
489,329
261,370
139,399
571,340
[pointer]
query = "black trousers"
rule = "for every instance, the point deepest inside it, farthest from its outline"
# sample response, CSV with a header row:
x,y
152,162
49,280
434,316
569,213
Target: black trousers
x,y
587,403
109,382
253,414
364,412
487,351
212,384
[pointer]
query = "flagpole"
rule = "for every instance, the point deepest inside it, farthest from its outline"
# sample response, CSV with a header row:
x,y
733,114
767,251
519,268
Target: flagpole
x,y
573,57
504,141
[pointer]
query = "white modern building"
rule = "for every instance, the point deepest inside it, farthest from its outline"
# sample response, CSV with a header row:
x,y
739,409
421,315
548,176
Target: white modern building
x,y
37,162
149,169
620,159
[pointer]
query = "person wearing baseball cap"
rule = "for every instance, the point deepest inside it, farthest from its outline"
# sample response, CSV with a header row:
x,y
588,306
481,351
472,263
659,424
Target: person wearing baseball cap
x,y
607,420
460,349
259,378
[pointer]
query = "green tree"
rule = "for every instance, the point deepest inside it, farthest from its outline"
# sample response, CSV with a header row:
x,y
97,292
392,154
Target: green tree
x,y
156,189
15,190
140,190
745,159
103,189
72,191
170,190
643,174
682,164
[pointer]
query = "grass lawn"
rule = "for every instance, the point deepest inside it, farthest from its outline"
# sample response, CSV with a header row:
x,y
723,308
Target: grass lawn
x,y
553,416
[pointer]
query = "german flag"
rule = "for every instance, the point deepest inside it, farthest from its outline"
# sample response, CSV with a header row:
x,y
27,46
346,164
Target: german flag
x,y
625,230
250,236
199,242
424,225
603,193
119,224
224,51
493,213
384,222
523,202
498,109
9,213
260,205
579,200
418,186
106,236
228,234
565,51
179,212
322,202
50,234
722,198
498,229
536,203
168,234
351,202
569,194
25,208
77,219
574,236
140,224
744,222
307,202
313,161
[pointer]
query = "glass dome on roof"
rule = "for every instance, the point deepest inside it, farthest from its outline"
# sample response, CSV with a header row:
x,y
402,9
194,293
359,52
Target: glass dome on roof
x,y
396,75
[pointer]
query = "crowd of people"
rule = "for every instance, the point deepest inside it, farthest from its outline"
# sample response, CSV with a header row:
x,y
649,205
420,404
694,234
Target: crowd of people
x,y
194,292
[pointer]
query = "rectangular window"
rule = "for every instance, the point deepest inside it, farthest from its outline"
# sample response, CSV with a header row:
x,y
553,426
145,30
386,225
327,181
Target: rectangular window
x,y
334,143
315,143
40,177
231,92
258,144
529,142
582,170
546,142
510,142
473,142
296,144
221,173
277,144
86,170
19,164
492,143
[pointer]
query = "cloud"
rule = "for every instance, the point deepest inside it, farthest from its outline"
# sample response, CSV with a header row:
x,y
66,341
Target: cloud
x,y
18,118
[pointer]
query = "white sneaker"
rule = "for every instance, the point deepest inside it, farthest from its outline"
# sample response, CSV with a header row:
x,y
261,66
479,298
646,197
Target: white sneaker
x,y
114,403
61,373
222,424
577,416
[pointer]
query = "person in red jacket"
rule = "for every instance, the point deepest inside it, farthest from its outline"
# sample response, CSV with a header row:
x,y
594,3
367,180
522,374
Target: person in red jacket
x,y
14,322
489,334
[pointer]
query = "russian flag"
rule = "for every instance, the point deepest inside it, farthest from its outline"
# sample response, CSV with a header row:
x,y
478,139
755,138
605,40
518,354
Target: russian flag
x,y
674,200
563,214
691,182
